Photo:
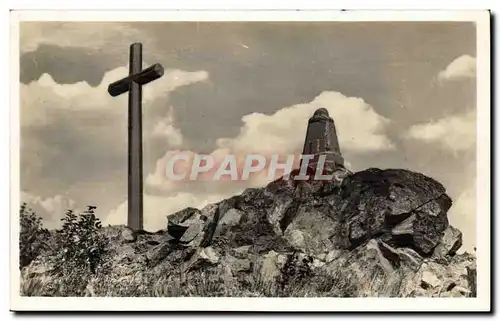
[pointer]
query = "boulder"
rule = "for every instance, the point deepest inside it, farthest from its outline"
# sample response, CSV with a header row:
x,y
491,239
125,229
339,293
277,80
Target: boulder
x,y
196,241
155,255
282,187
271,266
179,222
430,279
410,205
297,239
429,227
276,215
201,258
209,255
237,265
184,215
128,235
228,219
332,255
241,251
194,228
449,243
312,230
231,217
405,228
410,258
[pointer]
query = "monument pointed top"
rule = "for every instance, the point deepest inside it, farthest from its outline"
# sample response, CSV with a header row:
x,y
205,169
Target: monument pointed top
x,y
321,112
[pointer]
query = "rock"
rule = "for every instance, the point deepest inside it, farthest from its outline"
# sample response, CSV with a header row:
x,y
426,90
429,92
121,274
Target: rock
x,y
209,255
296,239
312,230
390,253
471,277
379,257
176,230
241,251
281,186
430,279
209,212
185,225
277,214
231,217
418,292
237,265
317,263
410,258
452,294
428,228
321,256
158,253
196,242
339,175
192,231
332,255
211,216
405,227
271,265
254,198
450,242
433,208
128,235
375,200
180,217
463,291
200,258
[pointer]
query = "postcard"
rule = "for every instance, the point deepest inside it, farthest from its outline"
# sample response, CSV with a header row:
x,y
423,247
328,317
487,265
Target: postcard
x,y
250,161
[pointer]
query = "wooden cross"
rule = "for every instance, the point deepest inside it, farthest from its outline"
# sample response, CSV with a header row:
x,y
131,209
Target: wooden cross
x,y
133,84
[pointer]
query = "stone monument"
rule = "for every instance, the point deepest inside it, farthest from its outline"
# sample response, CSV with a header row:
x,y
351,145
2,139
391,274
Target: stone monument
x,y
321,139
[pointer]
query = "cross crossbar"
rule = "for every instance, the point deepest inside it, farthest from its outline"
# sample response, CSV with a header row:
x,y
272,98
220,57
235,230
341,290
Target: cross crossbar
x,y
147,75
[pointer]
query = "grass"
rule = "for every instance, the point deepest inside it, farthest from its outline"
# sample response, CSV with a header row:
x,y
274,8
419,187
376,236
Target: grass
x,y
206,282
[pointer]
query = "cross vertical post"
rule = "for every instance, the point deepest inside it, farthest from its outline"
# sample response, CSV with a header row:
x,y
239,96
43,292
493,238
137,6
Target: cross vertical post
x,y
133,84
135,198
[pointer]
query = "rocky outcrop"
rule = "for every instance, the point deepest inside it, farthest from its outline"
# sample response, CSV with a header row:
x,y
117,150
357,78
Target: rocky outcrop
x,y
370,233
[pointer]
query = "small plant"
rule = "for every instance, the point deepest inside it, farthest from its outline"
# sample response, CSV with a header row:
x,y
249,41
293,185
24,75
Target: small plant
x,y
80,245
32,238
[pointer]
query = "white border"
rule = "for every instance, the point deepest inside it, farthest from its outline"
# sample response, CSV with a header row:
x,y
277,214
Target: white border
x,y
481,303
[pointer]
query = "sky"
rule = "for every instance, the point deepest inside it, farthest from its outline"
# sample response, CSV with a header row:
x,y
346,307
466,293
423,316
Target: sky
x,y
402,95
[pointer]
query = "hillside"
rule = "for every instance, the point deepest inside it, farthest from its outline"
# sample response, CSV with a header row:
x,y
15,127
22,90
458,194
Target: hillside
x,y
370,233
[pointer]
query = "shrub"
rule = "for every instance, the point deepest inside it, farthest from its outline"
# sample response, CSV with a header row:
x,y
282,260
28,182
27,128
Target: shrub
x,y
32,237
80,245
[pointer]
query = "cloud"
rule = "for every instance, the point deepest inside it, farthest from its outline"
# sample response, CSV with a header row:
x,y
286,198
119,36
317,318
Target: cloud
x,y
359,127
51,209
165,128
156,209
39,97
59,122
460,68
455,133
